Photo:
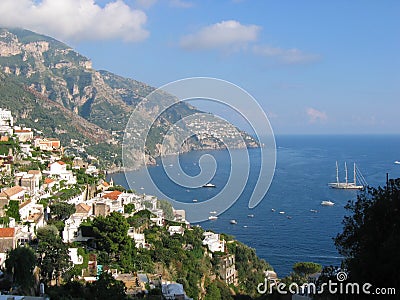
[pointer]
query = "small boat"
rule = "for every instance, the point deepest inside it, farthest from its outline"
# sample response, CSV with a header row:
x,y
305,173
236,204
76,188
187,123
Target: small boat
x,y
194,200
209,185
250,216
212,218
244,226
289,217
213,212
233,221
397,162
272,209
327,203
282,212
313,210
142,188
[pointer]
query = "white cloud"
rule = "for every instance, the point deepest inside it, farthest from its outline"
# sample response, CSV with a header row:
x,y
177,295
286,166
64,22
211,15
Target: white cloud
x,y
75,19
226,34
316,115
286,56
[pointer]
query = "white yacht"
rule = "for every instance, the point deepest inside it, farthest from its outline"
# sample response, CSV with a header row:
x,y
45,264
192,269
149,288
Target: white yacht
x,y
327,203
209,185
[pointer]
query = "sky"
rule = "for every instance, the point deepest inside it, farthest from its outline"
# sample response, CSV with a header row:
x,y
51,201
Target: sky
x,y
315,67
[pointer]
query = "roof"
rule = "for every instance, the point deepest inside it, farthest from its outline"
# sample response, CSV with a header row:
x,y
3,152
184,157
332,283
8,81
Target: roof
x,y
48,180
7,232
24,204
173,289
112,195
82,208
59,162
21,130
34,172
13,190
4,139
105,183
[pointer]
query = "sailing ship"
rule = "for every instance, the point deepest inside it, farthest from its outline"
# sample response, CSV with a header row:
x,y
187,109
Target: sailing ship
x,y
349,185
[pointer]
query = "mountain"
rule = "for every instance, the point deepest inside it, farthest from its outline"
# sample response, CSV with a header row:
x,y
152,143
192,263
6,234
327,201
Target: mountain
x,y
54,89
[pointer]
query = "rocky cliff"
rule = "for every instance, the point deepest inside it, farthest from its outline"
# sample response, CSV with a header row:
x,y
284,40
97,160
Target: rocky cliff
x,y
95,105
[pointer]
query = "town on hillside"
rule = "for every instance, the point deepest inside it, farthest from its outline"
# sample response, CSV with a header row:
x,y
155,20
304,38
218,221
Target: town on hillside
x,y
50,201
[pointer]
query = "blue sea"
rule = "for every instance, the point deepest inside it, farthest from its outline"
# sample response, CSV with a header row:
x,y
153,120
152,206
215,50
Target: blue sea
x,y
305,164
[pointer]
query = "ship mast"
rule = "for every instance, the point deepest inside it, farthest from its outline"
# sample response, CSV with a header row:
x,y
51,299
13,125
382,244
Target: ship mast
x,y
355,179
337,173
345,167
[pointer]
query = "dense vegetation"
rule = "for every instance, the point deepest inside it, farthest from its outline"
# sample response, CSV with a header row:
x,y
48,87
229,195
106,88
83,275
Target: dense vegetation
x,y
177,258
371,237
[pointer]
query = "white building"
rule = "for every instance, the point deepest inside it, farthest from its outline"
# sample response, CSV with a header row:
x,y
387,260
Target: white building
x,y
213,242
75,257
59,169
6,121
23,134
139,239
71,232
91,170
176,230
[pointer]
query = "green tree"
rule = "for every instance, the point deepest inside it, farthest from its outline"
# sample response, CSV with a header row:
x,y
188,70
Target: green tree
x,y
111,233
371,236
106,287
213,292
167,209
53,254
13,210
128,208
21,262
304,269
62,210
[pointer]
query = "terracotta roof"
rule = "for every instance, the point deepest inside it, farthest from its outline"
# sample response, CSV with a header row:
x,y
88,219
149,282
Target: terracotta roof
x,y
60,162
13,190
112,195
48,180
21,130
24,204
105,183
7,232
82,208
35,217
35,172
4,139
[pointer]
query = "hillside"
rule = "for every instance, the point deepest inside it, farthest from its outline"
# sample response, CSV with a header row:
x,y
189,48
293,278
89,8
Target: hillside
x,y
46,82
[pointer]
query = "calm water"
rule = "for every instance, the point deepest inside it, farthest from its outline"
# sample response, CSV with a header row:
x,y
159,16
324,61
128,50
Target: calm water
x,y
305,164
